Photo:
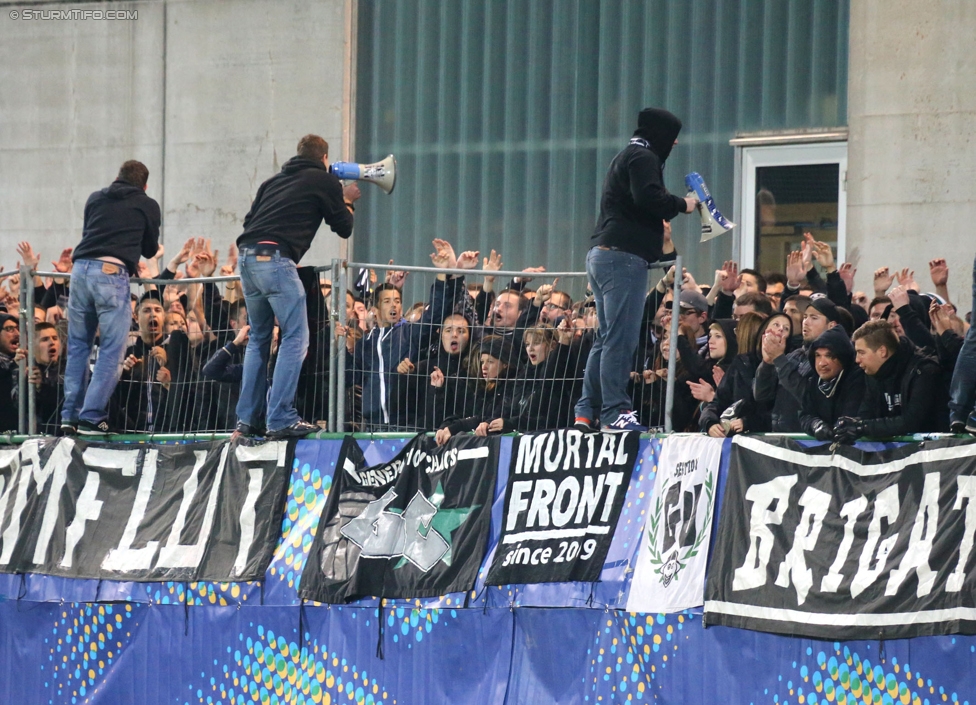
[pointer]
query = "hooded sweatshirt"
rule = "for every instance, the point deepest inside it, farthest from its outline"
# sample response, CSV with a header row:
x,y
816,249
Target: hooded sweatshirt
x,y
635,201
841,396
290,206
120,221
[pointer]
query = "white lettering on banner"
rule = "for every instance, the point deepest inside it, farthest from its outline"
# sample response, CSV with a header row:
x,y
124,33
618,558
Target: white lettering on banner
x,y
885,507
9,459
752,573
558,505
966,490
850,511
815,505
87,508
562,448
125,558
174,554
248,517
56,465
920,542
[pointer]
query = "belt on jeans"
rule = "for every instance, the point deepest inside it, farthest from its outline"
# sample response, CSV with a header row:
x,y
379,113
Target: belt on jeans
x,y
263,250
607,247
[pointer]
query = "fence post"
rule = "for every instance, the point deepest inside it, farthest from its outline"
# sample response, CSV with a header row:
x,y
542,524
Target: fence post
x,y
22,364
673,351
340,344
28,289
337,294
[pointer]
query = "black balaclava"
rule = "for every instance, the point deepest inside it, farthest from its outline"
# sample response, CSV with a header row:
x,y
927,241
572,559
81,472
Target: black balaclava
x,y
660,128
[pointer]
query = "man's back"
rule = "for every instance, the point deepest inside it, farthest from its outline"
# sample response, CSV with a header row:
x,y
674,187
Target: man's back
x,y
121,221
291,204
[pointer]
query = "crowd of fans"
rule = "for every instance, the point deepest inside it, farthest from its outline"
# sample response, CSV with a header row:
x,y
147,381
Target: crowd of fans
x,y
794,351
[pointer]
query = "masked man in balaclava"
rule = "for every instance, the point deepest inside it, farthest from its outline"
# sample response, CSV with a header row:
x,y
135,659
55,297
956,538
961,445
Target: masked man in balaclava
x,y
629,236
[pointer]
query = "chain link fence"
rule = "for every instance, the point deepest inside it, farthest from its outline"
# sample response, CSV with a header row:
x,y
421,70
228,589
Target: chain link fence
x,y
500,347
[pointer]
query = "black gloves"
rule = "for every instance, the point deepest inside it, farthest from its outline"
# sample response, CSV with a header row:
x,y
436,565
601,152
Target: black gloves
x,y
847,430
821,431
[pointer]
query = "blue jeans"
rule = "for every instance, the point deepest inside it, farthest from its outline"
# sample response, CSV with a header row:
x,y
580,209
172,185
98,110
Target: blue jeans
x,y
962,391
619,283
272,290
99,302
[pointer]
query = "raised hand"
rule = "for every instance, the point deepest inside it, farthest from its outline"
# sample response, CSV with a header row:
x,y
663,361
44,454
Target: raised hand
x,y
231,264
64,261
395,277
27,255
731,281
533,270
847,273
882,281
824,255
443,255
806,252
899,297
794,269
544,292
906,278
940,272
688,282
468,259
492,263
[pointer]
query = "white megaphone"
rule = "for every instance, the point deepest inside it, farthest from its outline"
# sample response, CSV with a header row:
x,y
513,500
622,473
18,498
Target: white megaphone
x,y
383,173
713,222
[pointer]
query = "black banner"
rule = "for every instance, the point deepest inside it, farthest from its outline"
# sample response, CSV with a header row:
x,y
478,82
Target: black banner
x,y
565,490
414,527
849,545
197,511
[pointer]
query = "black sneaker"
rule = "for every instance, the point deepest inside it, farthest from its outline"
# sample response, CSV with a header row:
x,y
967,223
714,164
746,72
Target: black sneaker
x,y
299,429
248,430
87,428
69,428
585,425
957,427
971,423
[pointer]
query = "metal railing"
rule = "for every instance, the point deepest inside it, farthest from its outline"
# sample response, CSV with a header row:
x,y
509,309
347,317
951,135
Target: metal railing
x,y
187,409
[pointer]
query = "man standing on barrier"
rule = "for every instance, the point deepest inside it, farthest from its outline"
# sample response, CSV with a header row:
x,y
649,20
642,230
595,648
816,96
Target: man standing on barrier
x,y
278,230
629,236
121,223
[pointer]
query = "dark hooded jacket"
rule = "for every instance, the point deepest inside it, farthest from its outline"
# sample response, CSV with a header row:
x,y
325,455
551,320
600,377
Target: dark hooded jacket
x,y
842,396
905,396
290,206
634,201
781,400
736,388
120,221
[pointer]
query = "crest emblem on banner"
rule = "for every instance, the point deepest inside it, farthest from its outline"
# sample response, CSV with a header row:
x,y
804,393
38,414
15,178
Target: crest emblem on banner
x,y
669,572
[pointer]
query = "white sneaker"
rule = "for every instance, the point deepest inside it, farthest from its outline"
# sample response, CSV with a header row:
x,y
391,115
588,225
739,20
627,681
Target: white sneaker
x,y
626,421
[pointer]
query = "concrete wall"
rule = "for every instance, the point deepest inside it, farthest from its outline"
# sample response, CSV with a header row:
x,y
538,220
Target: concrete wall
x,y
912,150
212,96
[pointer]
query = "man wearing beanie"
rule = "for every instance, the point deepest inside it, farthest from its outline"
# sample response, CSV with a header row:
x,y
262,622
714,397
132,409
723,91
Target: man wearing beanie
x,y
792,372
629,236
121,223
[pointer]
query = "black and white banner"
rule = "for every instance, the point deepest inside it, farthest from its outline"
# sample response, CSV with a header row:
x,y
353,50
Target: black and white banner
x,y
564,495
416,526
669,572
849,545
199,511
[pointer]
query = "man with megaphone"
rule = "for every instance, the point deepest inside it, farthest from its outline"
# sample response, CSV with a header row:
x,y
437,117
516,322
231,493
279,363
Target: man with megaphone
x,y
278,230
629,236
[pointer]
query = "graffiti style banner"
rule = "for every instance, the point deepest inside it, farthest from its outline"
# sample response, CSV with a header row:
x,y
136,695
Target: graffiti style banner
x,y
564,495
416,526
199,511
669,574
847,545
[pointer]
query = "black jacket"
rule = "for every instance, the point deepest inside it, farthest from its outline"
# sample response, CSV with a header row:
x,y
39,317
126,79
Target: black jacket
x,y
290,206
634,200
736,386
120,221
828,402
905,395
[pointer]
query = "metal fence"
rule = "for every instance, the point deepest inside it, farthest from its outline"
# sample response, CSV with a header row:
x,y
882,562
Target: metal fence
x,y
478,348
